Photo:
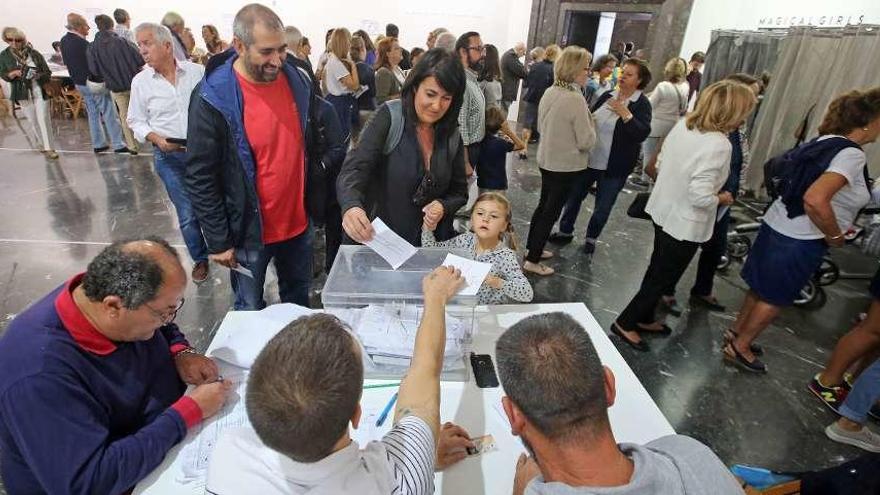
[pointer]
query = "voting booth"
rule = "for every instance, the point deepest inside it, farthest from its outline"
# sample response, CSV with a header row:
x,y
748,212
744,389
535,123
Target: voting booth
x,y
383,307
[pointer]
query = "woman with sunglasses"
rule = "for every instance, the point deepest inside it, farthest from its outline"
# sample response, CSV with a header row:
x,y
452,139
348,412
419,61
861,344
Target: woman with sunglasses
x,y
412,171
27,72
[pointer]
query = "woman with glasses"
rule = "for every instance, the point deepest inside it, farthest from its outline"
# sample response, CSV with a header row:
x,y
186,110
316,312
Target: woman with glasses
x,y
27,72
408,168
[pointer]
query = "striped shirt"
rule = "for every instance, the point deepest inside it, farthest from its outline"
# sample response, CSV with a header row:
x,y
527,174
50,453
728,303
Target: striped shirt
x,y
472,117
402,463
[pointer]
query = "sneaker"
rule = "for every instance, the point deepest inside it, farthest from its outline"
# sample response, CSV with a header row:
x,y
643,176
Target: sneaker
x,y
560,238
101,149
848,381
51,154
832,396
200,272
864,439
589,248
124,149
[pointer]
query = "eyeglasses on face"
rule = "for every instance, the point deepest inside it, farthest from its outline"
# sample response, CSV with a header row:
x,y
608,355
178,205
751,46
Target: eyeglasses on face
x,y
14,40
168,317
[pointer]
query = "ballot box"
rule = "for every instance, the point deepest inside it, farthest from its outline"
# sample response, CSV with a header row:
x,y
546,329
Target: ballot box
x,y
383,307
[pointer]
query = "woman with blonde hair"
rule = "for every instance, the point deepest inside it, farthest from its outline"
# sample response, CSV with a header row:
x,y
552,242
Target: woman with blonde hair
x,y
692,168
389,76
567,136
212,40
340,77
27,72
668,104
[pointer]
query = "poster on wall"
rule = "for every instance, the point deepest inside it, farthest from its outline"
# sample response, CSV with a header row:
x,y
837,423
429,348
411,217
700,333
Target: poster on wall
x,y
820,21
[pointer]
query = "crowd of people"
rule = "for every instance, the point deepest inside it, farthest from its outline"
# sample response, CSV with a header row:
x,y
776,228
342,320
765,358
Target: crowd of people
x,y
256,147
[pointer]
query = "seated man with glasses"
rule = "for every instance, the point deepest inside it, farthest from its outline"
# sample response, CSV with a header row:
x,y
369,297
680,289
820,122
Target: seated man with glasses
x,y
92,376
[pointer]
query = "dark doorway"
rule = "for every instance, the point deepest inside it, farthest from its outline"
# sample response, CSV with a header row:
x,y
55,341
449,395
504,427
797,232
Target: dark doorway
x,y
581,29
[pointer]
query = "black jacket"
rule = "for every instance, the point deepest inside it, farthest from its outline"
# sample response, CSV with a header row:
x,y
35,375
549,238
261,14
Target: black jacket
x,y
74,49
384,185
221,171
114,60
628,137
539,78
512,70
367,77
307,67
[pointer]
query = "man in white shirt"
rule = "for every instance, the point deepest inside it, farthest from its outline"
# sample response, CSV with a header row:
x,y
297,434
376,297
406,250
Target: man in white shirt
x,y
123,25
158,112
303,391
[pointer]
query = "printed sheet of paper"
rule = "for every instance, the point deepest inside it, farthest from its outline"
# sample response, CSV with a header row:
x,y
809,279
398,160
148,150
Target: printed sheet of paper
x,y
390,246
474,272
252,330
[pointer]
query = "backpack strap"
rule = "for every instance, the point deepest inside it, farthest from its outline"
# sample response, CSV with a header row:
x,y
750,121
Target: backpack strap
x,y
395,131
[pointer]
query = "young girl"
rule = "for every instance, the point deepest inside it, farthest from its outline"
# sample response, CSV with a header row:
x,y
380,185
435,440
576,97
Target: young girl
x,y
490,221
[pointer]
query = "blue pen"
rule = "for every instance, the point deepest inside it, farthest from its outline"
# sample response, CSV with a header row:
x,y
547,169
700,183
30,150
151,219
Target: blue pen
x,y
387,409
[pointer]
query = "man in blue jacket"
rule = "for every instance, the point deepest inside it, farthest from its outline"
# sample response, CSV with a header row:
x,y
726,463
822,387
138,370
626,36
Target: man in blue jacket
x,y
249,172
92,377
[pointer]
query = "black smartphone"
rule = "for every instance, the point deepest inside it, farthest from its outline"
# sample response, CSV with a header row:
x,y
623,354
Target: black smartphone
x,y
484,370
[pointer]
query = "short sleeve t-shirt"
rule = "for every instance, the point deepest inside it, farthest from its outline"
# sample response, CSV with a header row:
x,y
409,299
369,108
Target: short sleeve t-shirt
x,y
335,70
492,165
273,129
849,163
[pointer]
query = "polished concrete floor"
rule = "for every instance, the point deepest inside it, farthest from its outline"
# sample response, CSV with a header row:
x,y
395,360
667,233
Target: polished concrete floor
x,y
58,214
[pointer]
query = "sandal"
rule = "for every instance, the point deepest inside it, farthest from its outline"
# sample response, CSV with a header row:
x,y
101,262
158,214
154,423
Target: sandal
x,y
641,345
735,358
730,336
663,330
538,268
546,255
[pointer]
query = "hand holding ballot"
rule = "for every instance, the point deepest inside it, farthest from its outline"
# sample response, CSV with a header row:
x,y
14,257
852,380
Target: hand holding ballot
x,y
442,283
357,225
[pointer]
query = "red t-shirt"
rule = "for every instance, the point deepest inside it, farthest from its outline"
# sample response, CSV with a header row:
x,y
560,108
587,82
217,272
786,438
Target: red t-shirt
x,y
271,123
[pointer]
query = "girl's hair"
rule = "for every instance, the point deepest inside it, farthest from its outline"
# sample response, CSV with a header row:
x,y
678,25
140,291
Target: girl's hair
x,y
340,43
722,107
509,235
368,43
383,49
850,111
357,43
495,117
491,65
447,69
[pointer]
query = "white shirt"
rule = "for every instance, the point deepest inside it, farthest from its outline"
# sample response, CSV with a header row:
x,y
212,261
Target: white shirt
x,y
125,33
606,122
668,103
158,106
846,203
692,168
401,464
334,71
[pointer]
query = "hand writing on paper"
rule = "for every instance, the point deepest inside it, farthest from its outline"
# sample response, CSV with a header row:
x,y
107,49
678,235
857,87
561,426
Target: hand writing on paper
x,y
433,214
195,369
451,446
211,396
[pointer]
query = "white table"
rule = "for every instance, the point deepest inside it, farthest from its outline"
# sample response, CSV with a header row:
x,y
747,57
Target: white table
x,y
634,416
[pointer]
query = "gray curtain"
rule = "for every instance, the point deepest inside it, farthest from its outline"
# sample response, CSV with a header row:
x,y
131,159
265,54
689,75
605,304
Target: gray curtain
x,y
752,52
814,67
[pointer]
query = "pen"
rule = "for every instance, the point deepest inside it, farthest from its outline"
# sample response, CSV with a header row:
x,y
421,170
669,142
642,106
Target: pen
x,y
387,409
381,385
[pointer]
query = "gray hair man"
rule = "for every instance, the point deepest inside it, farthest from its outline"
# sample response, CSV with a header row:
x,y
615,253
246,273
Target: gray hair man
x,y
294,37
445,41
558,395
123,25
92,376
174,22
512,72
158,113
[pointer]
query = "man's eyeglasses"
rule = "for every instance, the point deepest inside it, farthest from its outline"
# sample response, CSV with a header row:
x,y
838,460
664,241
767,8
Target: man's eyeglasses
x,y
168,317
14,40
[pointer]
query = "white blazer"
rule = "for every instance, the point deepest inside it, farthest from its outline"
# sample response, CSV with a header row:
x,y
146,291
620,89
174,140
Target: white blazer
x,y
692,168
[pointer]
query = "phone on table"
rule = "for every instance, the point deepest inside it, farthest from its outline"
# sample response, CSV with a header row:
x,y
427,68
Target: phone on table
x,y
484,370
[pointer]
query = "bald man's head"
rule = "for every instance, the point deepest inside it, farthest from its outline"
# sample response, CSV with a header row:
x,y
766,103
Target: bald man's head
x,y
519,49
78,23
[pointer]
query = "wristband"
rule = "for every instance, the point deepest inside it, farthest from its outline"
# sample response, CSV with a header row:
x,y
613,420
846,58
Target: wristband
x,y
836,237
186,350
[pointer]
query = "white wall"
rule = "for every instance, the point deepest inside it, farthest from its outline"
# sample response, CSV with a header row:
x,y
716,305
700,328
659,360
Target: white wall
x,y
747,14
501,22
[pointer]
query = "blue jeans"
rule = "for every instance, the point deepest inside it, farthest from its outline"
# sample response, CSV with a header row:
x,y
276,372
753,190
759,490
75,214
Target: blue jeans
x,y
607,189
865,392
99,107
171,167
293,264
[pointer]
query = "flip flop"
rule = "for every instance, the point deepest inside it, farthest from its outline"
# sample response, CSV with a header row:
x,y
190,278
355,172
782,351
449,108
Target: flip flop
x,y
639,346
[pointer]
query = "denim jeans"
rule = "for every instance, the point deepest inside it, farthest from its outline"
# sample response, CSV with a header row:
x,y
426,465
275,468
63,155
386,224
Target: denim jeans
x,y
865,392
293,264
100,107
171,167
607,189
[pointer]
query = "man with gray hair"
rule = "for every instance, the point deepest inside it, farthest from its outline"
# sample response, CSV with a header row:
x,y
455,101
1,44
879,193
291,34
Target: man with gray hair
x,y
446,41
250,172
158,113
512,72
558,395
92,376
123,25
174,22
294,37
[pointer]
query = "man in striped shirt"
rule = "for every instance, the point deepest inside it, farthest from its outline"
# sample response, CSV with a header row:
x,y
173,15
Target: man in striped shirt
x,y
303,391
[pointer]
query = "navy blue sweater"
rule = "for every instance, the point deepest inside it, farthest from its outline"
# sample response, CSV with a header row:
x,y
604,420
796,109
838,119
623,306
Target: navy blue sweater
x,y
80,413
74,50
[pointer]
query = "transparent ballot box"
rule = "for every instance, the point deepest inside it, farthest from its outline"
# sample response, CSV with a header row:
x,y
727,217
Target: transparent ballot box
x,y
383,307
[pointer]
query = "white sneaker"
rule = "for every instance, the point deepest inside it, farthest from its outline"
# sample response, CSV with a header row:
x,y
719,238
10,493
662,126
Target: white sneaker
x,y
864,439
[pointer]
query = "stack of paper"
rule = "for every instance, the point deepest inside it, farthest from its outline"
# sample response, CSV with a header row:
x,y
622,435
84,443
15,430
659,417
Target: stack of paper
x,y
252,330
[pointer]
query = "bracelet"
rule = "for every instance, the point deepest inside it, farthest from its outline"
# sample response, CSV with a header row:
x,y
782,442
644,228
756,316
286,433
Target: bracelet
x,y
187,350
838,236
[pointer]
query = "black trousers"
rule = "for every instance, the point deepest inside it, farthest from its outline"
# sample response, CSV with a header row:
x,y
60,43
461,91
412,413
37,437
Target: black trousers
x,y
669,260
711,252
555,189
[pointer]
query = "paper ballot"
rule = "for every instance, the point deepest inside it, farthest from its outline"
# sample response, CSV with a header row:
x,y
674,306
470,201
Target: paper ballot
x,y
390,246
474,272
252,330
